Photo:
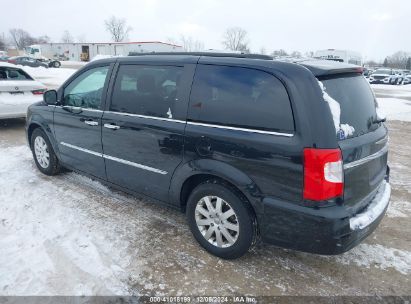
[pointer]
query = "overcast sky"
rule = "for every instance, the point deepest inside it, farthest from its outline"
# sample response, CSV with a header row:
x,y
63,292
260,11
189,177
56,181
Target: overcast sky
x,y
375,28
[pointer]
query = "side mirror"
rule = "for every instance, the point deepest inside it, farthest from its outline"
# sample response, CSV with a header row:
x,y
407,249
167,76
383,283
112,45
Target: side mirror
x,y
50,97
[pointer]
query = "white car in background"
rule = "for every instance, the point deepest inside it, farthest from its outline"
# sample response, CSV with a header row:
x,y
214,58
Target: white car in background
x,y
407,79
384,76
18,90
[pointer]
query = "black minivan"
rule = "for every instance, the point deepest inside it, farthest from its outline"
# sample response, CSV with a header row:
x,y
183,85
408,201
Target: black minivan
x,y
248,147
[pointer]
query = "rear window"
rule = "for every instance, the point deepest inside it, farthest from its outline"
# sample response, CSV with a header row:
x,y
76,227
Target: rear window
x,y
240,97
13,74
357,102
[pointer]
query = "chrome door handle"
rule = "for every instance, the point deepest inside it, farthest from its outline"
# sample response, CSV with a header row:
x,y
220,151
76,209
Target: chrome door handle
x,y
91,122
110,126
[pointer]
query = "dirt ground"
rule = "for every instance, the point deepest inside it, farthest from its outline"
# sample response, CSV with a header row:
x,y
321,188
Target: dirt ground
x,y
148,249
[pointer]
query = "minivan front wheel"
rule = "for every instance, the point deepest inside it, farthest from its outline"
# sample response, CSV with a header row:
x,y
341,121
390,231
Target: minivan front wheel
x,y
43,153
220,220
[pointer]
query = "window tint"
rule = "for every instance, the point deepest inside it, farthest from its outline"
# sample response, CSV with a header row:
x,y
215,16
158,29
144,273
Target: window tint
x,y
146,90
87,89
240,97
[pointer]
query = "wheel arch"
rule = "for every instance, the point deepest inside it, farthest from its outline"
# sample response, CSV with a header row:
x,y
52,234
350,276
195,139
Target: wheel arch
x,y
193,173
35,124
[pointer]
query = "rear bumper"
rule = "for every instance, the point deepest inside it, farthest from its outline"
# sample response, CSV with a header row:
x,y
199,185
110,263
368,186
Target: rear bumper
x,y
330,230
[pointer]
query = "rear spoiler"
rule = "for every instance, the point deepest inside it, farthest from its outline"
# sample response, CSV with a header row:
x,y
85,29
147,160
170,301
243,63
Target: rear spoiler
x,y
327,67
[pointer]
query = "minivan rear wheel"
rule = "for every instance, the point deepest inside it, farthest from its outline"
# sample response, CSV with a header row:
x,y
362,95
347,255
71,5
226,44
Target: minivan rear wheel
x,y
43,153
220,220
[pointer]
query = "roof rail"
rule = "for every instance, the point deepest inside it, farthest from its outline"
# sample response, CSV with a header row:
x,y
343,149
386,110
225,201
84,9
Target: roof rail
x,y
208,54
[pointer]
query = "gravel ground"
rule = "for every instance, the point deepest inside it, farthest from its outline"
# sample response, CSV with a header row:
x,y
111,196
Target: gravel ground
x,y
69,235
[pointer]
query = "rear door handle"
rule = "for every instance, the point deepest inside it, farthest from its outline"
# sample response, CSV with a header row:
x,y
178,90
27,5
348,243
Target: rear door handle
x,y
111,126
91,122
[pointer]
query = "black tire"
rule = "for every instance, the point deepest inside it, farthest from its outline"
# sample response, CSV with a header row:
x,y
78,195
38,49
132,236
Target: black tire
x,y
56,64
53,166
246,219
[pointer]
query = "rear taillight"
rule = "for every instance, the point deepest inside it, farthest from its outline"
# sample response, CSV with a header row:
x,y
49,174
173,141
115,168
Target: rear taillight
x,y
323,174
38,92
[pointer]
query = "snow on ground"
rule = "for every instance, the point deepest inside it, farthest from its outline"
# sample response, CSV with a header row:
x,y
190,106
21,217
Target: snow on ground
x,y
378,256
52,246
395,108
395,91
70,63
51,77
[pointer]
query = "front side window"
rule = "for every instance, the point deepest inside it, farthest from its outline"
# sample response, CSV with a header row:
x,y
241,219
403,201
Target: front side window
x,y
146,90
240,97
86,90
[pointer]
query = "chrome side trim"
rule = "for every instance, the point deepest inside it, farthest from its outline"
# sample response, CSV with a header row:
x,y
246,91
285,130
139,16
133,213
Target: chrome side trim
x,y
79,108
126,162
240,129
366,159
119,160
147,117
82,149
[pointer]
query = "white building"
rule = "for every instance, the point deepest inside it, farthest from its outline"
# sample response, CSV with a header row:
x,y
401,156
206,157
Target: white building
x,y
86,51
346,56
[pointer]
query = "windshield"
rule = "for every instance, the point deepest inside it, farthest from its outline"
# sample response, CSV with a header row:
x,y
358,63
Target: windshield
x,y
356,100
383,71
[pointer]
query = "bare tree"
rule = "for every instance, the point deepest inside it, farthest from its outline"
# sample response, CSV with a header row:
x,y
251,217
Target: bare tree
x,y
296,54
309,54
20,38
235,39
117,27
43,39
279,53
2,43
398,60
67,37
263,51
191,45
81,38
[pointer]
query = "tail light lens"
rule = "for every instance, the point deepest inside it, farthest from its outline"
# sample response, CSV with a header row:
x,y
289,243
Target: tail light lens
x,y
38,92
323,174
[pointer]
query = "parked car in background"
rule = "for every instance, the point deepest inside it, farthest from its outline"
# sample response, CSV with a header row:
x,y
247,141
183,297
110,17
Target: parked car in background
x,y
52,63
18,90
384,76
4,58
248,147
27,61
407,79
367,72
400,76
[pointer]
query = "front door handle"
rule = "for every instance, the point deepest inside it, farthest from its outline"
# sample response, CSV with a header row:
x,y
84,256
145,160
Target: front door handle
x,y
111,126
91,122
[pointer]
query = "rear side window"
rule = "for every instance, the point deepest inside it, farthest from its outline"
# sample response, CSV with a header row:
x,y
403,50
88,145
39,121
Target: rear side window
x,y
356,100
146,90
240,97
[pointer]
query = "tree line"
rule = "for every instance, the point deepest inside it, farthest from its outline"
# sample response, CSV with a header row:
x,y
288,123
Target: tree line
x,y
234,39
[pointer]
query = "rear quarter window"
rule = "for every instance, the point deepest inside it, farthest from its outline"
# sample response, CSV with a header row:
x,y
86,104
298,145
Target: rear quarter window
x,y
240,97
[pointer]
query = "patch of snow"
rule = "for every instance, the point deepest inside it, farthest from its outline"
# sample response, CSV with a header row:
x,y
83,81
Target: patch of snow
x,y
49,243
50,77
73,63
336,113
98,57
395,108
334,106
399,209
347,129
365,255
